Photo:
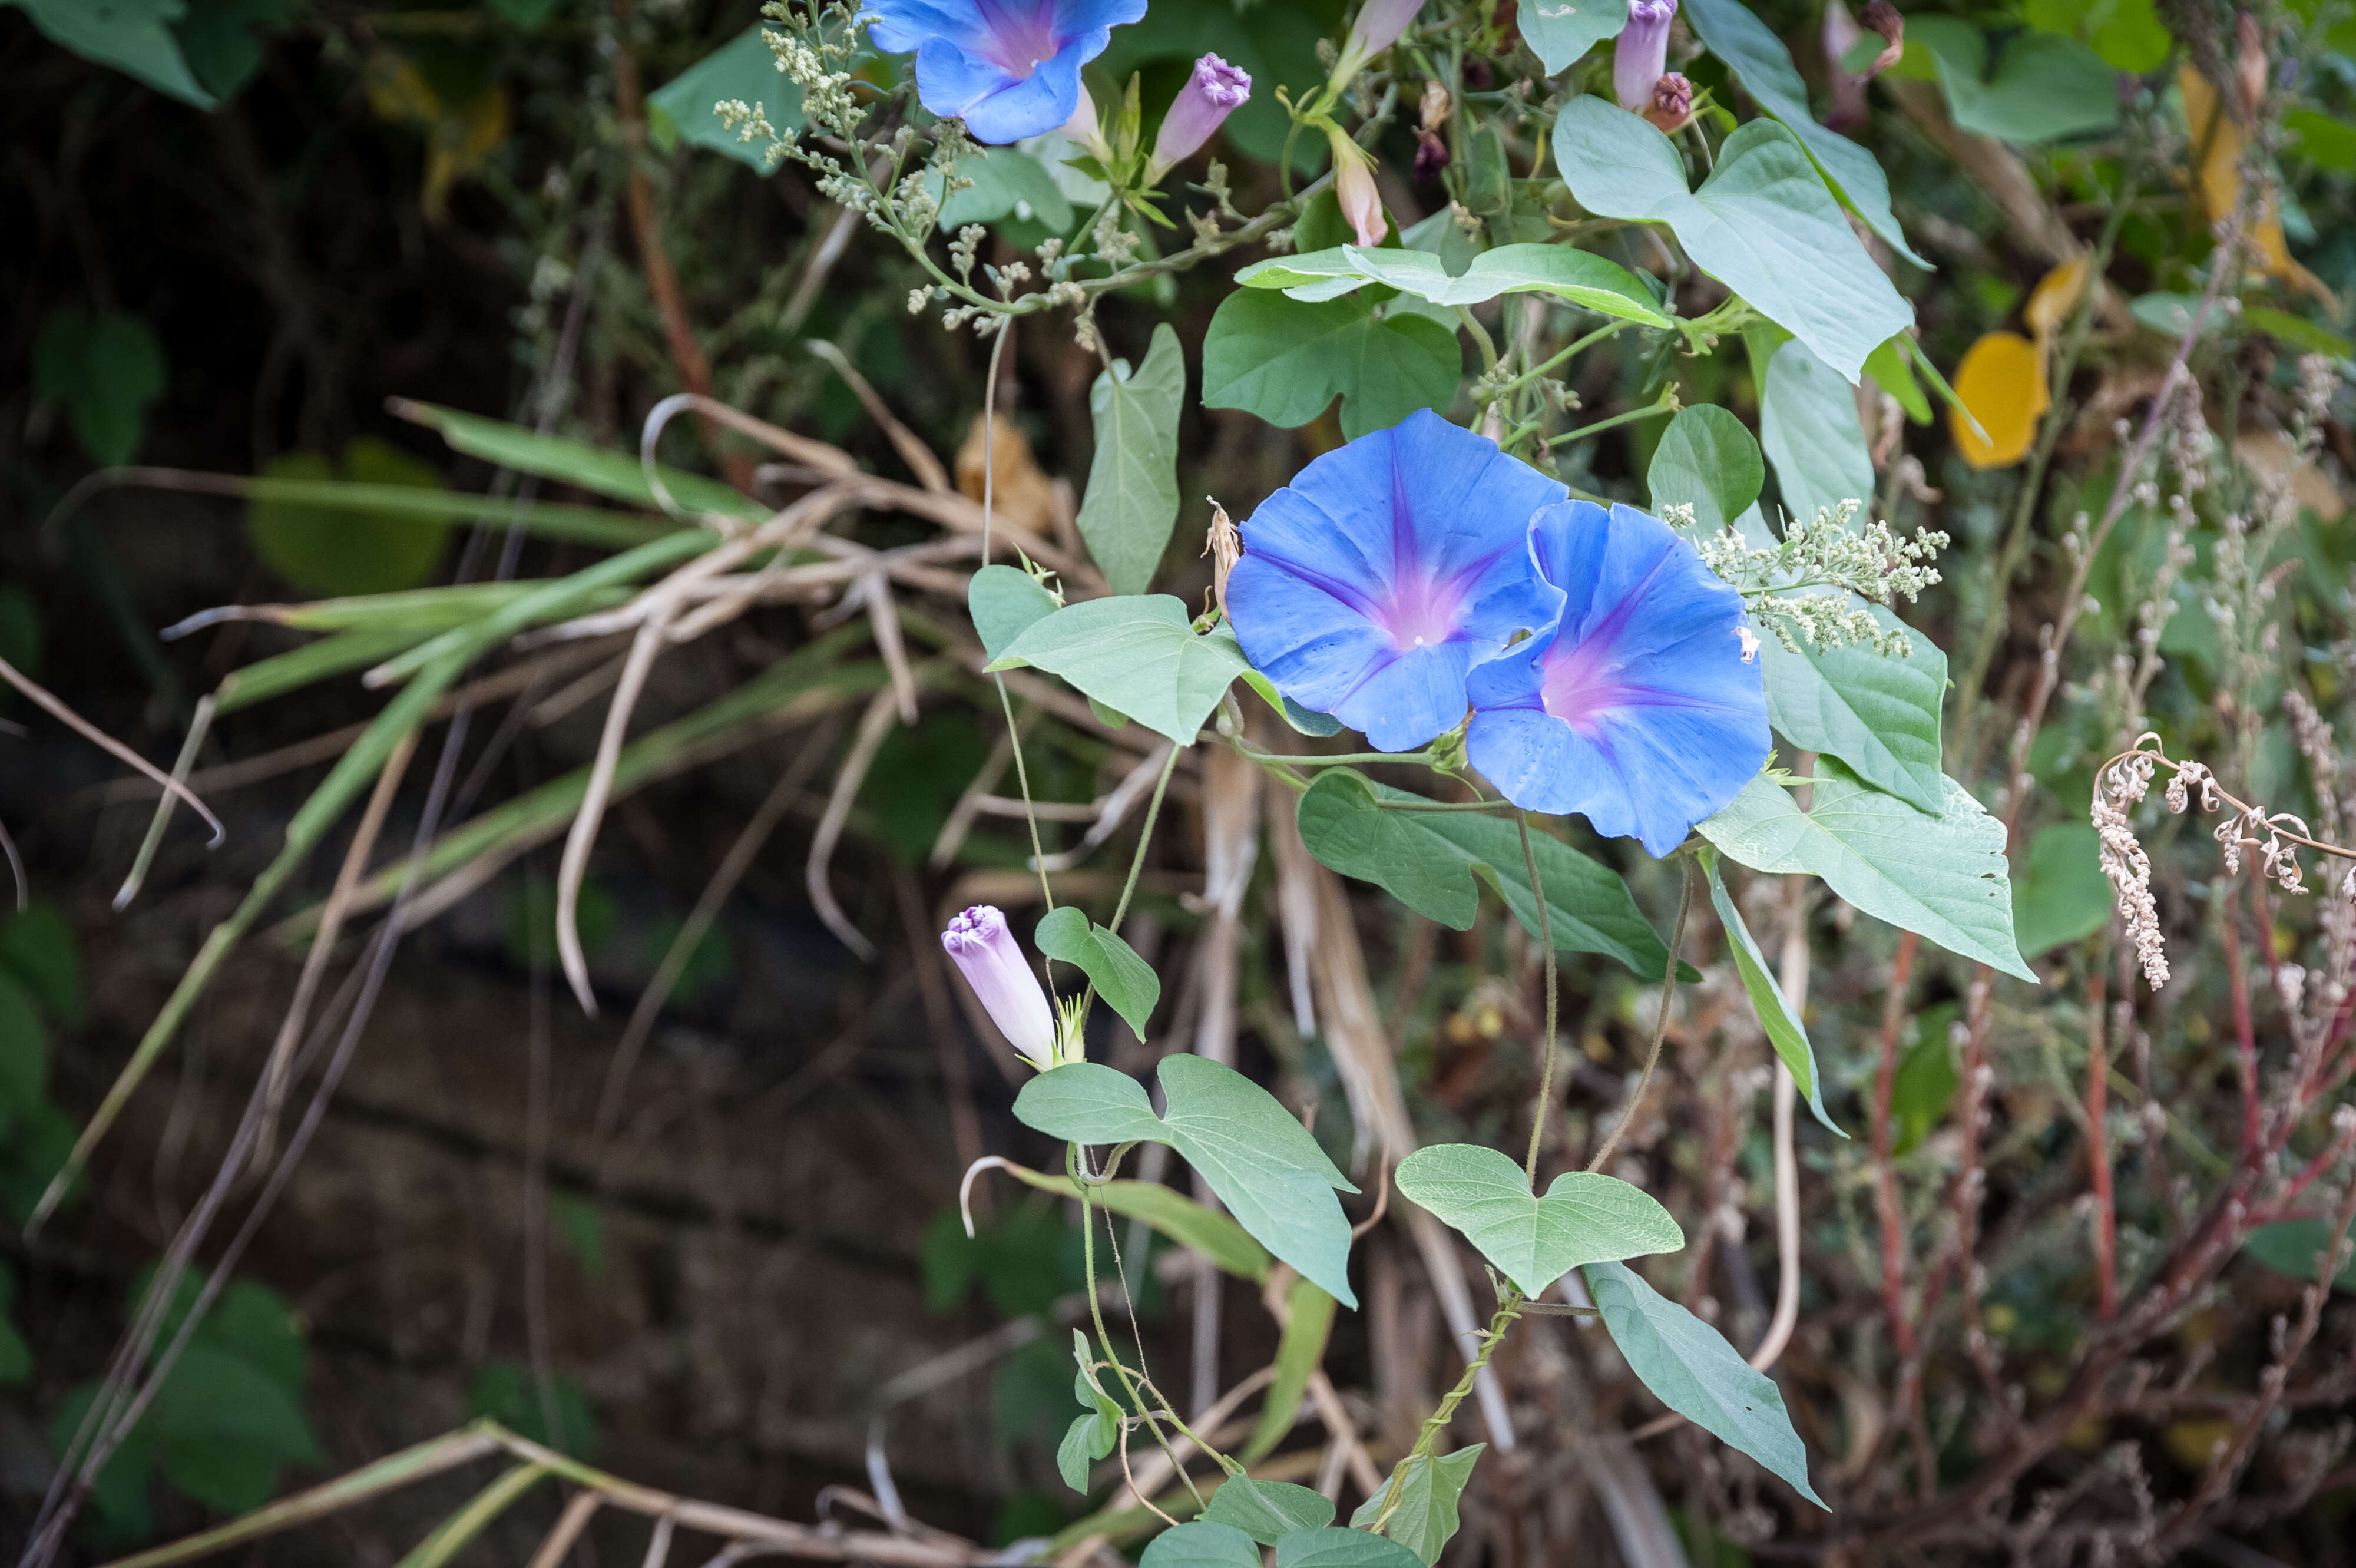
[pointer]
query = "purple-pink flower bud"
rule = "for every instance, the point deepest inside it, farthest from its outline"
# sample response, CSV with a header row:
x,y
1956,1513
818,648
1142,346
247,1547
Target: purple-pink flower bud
x,y
1213,91
1643,53
1379,27
993,965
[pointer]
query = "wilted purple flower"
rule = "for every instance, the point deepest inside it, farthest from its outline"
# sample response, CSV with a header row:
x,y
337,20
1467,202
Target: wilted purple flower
x,y
1009,68
1213,91
1635,705
1643,53
1672,104
1385,571
993,964
1430,155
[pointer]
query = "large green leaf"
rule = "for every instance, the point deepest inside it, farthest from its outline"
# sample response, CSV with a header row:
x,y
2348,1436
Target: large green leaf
x,y
1132,497
1581,277
1691,1369
1428,861
1941,877
744,69
2062,895
135,36
2127,33
1763,223
1258,1159
1428,1488
1333,1548
340,552
1879,715
1268,1511
1784,1029
1807,422
1201,1545
1006,184
1125,980
1584,1217
1750,49
2044,86
1004,602
24,1053
37,946
1136,654
104,370
2295,1247
1707,460
1563,31
1285,360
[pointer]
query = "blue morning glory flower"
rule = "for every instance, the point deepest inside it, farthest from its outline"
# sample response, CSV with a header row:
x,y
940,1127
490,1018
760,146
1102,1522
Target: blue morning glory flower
x,y
1640,708
1009,68
1387,571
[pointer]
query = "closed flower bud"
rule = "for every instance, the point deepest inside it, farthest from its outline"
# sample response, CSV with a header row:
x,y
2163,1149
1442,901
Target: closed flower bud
x,y
1009,992
1083,128
1672,104
1362,205
1643,53
1379,27
1213,91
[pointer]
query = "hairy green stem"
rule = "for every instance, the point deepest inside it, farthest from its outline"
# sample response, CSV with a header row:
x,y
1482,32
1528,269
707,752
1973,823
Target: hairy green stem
x,y
1649,411
1535,372
1104,1339
1546,941
1509,1308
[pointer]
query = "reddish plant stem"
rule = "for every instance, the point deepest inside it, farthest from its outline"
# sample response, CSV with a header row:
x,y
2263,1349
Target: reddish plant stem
x,y
2098,1151
1885,1174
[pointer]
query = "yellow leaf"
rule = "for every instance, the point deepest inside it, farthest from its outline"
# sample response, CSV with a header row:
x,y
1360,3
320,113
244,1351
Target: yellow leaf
x,y
458,144
2002,381
2217,142
2050,302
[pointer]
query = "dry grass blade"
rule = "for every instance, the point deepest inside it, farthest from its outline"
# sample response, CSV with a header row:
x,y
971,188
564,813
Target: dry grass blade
x,y
16,868
574,867
1110,811
98,737
874,725
569,1526
659,1543
276,1075
393,1471
969,805
913,452
830,461
877,594
199,726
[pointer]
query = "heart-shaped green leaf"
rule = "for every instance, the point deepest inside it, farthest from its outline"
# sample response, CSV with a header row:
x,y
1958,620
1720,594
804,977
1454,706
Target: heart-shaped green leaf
x,y
1125,980
1260,1161
1584,1217
1268,1511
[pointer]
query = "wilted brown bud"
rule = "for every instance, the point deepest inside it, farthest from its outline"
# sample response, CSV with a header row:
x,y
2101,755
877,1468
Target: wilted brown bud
x,y
1225,546
1436,105
1672,104
2250,63
1881,17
